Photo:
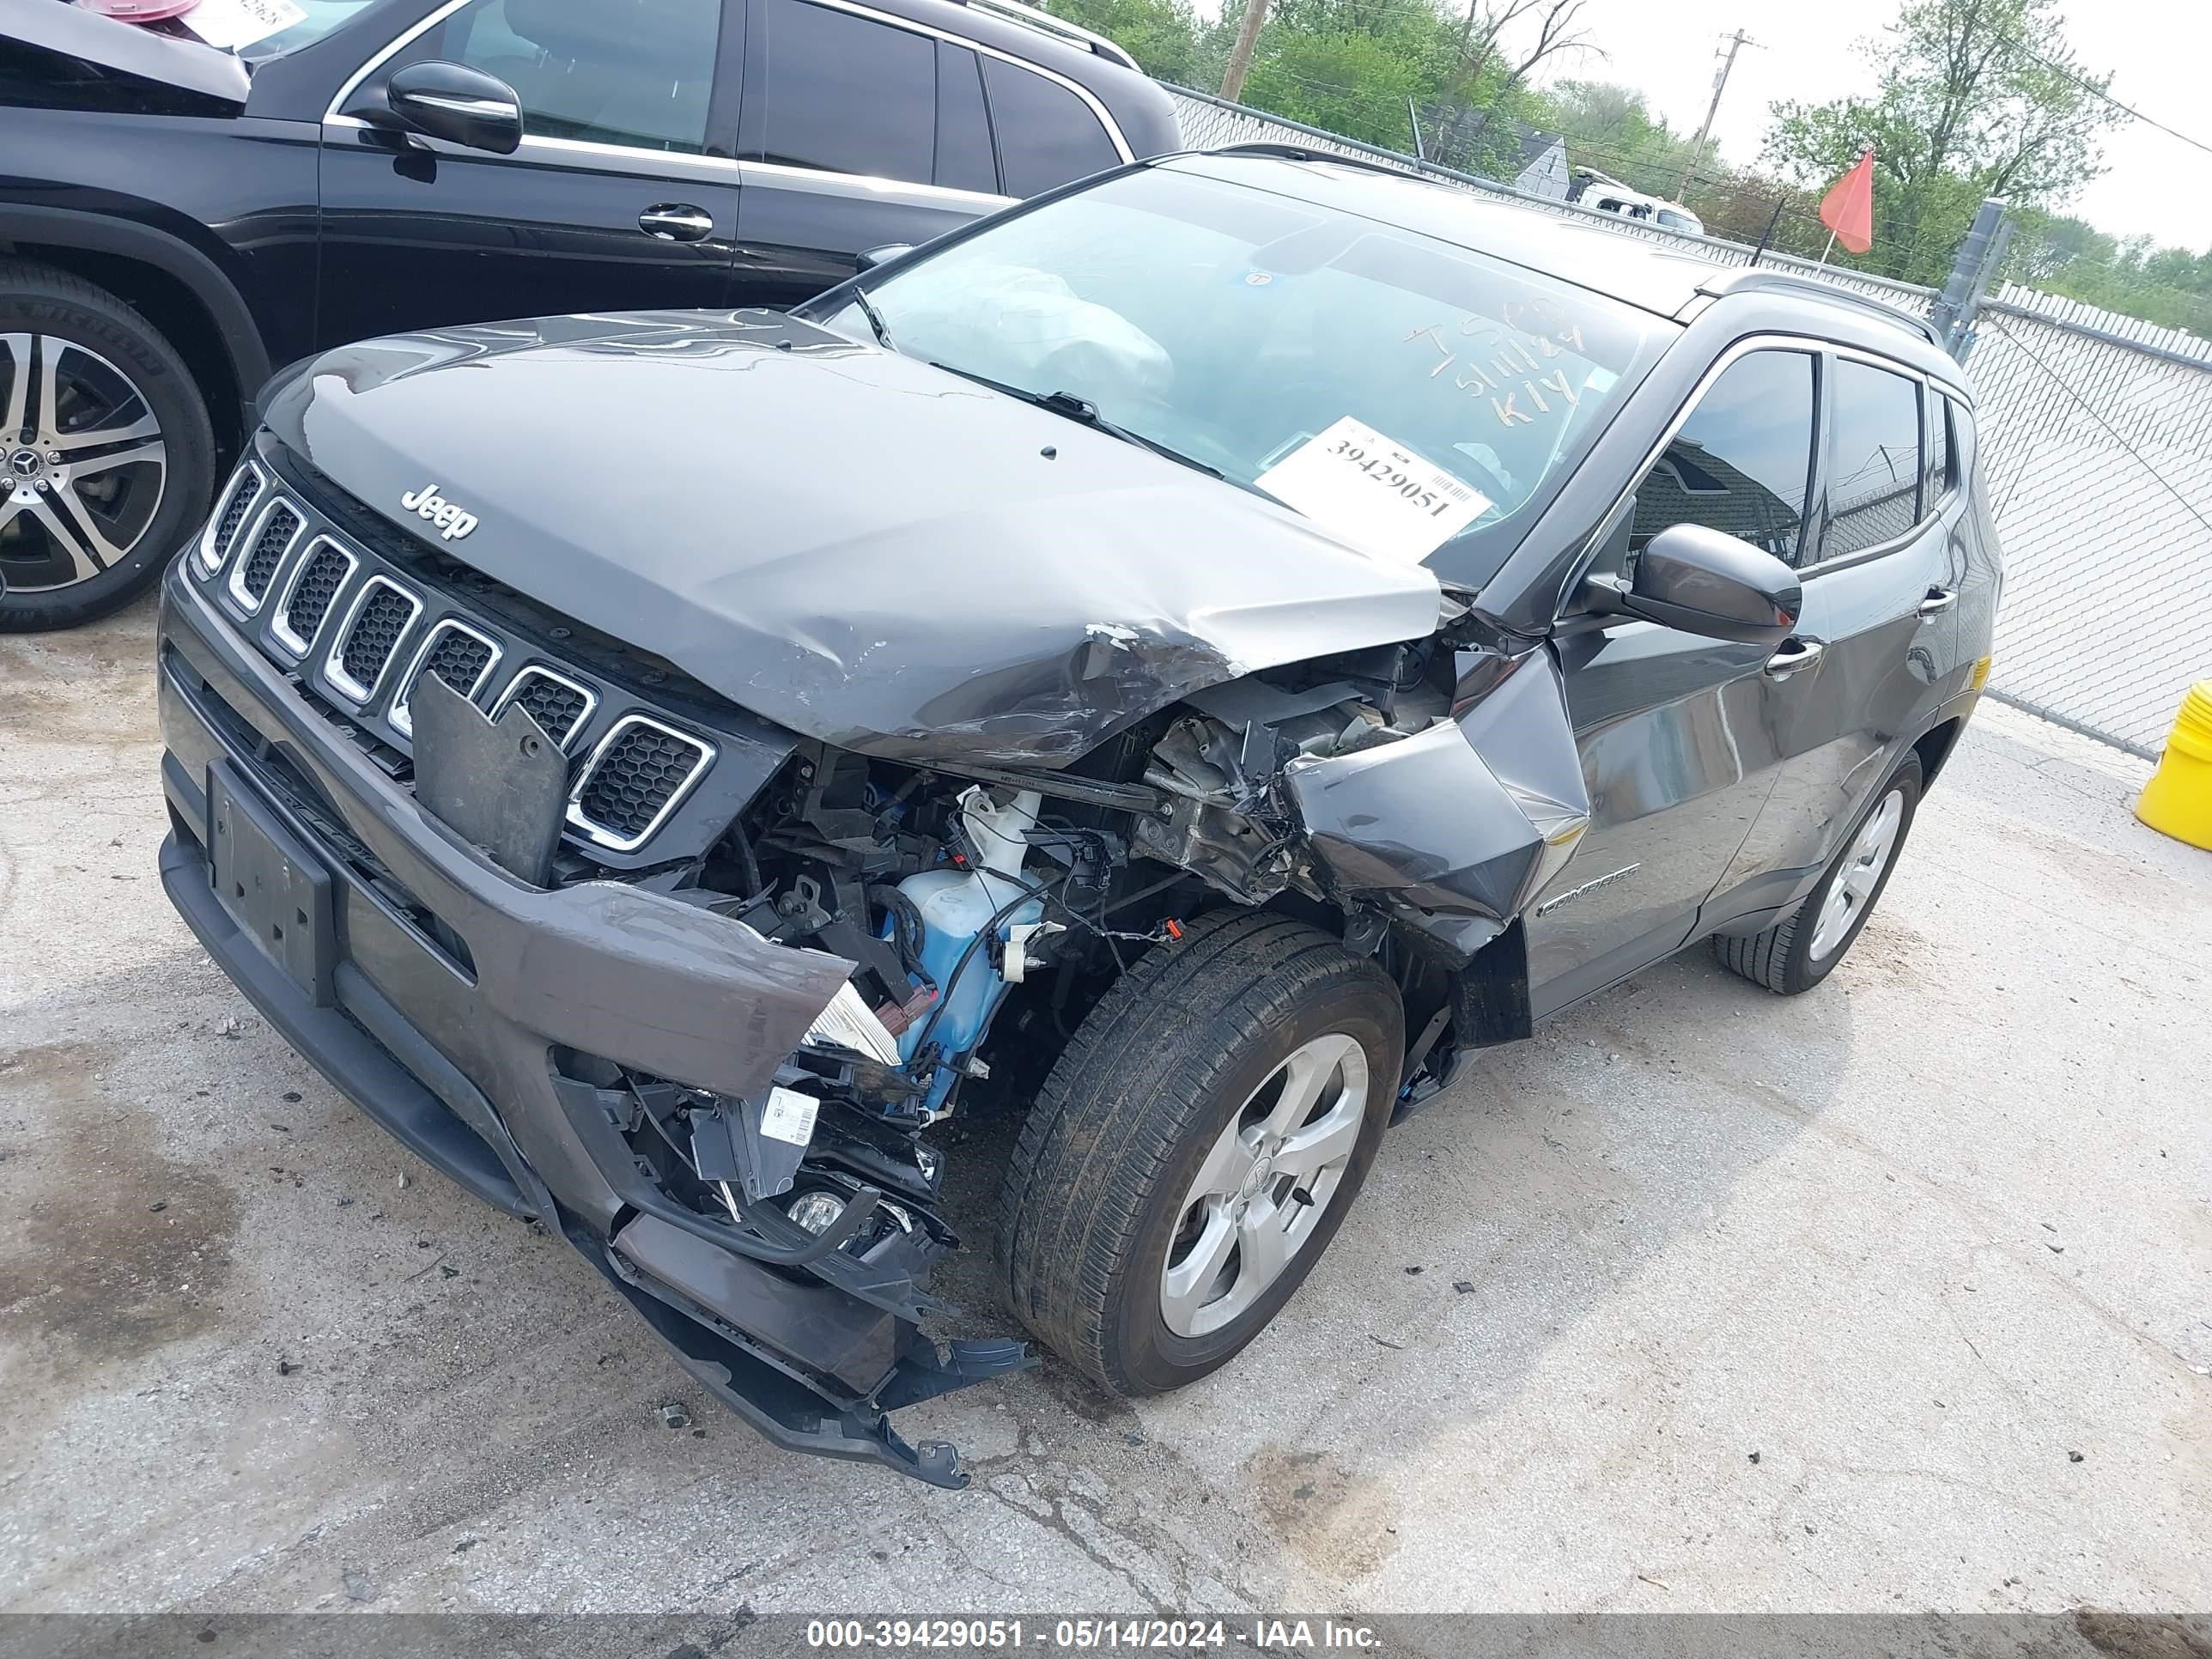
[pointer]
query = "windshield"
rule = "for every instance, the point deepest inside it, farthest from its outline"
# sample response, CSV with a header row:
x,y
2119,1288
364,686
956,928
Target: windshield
x,y
1403,393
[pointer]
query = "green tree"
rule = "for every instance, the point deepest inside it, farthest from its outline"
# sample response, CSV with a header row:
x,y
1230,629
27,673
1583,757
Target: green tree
x,y
1609,127
1496,46
1162,35
1977,97
2060,254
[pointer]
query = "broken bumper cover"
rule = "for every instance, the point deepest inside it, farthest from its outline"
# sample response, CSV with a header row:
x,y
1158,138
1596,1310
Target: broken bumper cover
x,y
451,1002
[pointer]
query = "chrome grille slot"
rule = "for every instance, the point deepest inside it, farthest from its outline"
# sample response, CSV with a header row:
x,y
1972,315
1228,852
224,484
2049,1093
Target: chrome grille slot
x,y
637,776
350,607
222,528
308,597
380,615
559,705
457,654
273,534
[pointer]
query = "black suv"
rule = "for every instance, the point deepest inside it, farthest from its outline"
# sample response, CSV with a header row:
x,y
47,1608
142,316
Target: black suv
x,y
1185,662
174,219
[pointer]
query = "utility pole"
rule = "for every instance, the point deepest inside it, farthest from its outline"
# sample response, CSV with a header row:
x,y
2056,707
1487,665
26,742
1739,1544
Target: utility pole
x,y
1240,56
1736,43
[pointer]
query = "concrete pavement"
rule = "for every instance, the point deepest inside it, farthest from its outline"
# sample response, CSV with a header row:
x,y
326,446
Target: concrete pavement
x,y
1895,1297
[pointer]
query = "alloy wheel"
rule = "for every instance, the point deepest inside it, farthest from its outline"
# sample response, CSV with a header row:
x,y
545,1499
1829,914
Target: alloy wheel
x,y
1853,885
1259,1196
82,463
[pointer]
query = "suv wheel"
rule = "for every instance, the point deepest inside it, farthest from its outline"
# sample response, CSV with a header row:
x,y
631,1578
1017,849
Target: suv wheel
x,y
1801,949
1196,1146
106,453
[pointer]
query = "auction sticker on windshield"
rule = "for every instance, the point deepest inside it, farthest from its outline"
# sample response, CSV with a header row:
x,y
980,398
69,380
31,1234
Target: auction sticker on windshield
x,y
1379,495
231,24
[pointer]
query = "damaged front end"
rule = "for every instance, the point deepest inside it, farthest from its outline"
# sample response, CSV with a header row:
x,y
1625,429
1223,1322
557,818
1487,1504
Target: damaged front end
x,y
1412,798
1415,796
1424,795
688,955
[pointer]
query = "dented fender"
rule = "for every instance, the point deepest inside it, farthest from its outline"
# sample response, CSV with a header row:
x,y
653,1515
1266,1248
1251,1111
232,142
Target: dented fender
x,y
1456,827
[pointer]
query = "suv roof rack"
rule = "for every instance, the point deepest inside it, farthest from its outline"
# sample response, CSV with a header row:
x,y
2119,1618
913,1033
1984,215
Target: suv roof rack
x,y
1311,153
1739,279
1028,16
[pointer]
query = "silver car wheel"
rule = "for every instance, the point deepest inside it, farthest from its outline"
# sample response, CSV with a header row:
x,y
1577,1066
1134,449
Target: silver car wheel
x,y
1259,1197
1852,888
82,464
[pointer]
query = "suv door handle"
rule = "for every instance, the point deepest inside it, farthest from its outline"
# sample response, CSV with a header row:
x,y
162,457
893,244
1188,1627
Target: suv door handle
x,y
1795,653
1939,600
677,221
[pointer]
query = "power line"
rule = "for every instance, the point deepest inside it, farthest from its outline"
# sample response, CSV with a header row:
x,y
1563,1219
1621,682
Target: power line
x,y
2096,91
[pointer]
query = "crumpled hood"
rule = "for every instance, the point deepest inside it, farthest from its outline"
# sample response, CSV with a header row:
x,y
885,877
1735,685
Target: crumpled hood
x,y
863,549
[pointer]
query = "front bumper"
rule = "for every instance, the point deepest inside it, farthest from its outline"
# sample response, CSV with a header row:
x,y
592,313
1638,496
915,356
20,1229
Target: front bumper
x,y
466,1012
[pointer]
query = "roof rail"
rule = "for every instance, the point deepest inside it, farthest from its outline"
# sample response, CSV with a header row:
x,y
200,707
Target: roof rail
x,y
1743,278
1309,153
1028,16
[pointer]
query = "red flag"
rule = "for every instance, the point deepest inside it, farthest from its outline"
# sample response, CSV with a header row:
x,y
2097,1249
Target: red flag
x,y
1848,207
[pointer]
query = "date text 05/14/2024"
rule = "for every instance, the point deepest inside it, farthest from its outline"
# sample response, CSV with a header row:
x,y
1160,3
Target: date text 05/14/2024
x,y
1155,1635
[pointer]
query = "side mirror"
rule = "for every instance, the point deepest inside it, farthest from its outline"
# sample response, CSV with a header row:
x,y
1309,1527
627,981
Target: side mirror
x,y
869,259
460,104
1702,581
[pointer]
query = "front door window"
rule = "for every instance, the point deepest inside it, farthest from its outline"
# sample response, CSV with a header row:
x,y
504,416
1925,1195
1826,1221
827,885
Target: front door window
x,y
634,73
1740,463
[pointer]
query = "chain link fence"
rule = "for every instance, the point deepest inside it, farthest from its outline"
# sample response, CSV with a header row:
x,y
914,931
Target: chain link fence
x,y
2096,434
2097,445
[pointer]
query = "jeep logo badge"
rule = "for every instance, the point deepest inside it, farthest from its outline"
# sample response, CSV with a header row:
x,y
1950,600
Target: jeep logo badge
x,y
451,521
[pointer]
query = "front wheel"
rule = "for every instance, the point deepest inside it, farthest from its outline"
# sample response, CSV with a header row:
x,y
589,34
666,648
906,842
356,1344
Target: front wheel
x,y
1196,1147
1803,948
107,457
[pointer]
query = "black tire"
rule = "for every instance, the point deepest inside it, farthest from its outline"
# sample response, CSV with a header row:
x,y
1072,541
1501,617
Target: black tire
x,y
1780,958
1147,1088
37,302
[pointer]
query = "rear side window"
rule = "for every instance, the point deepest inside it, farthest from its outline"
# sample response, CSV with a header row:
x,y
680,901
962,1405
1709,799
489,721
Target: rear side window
x,y
848,95
1739,465
1047,134
640,76
1939,473
1874,459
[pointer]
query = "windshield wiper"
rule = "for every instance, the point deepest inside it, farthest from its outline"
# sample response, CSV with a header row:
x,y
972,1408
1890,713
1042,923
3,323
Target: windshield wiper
x,y
875,319
1084,411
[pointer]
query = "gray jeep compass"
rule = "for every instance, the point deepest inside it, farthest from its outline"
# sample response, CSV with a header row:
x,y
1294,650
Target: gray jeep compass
x,y
1189,660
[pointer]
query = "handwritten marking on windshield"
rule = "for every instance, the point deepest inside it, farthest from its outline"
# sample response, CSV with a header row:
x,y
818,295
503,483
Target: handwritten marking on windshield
x,y
1510,360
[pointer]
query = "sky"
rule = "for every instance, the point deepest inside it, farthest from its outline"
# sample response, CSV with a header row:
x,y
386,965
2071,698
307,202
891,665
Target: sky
x,y
2158,50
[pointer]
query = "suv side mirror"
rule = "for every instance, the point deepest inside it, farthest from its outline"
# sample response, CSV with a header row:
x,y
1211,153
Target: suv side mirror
x,y
1705,582
460,104
869,259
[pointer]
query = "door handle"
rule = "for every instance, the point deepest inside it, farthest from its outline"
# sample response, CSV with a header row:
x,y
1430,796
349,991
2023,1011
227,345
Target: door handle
x,y
677,221
1939,600
1794,654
